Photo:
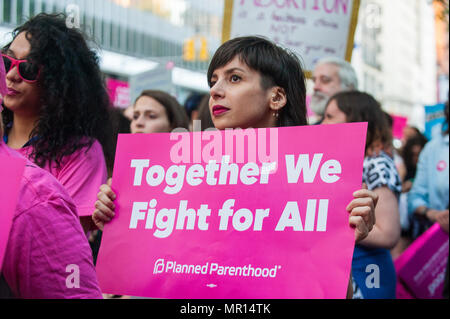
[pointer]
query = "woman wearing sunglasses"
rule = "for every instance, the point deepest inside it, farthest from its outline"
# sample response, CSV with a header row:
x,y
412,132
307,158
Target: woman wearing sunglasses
x,y
56,106
255,83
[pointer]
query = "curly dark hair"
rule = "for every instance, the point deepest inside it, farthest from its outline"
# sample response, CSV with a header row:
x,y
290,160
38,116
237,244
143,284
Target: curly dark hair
x,y
74,99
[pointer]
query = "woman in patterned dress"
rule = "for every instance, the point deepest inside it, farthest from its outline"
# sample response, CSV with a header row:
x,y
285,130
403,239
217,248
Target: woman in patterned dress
x,y
372,267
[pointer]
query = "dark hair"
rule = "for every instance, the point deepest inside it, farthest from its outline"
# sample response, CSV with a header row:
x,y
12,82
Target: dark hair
x,y
74,100
120,124
407,154
362,107
175,113
192,103
415,129
277,66
204,114
389,119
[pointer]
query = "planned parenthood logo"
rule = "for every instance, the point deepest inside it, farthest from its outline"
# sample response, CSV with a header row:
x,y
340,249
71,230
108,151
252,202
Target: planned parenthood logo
x,y
159,267
212,268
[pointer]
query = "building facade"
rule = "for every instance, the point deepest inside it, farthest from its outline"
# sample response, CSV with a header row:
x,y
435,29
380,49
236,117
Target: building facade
x,y
395,55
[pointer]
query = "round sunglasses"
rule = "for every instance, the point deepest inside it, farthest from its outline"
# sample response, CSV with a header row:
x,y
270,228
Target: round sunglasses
x,y
26,70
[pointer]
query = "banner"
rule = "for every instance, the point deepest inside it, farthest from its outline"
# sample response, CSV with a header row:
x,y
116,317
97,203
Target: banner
x,y
242,214
421,268
11,171
312,29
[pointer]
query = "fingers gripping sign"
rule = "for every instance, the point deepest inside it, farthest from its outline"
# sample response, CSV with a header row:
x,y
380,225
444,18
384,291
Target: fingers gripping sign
x,y
104,206
362,212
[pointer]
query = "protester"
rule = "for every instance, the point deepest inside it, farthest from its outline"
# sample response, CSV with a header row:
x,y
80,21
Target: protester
x,y
250,87
409,132
410,155
381,177
46,243
57,106
154,111
428,198
157,112
330,76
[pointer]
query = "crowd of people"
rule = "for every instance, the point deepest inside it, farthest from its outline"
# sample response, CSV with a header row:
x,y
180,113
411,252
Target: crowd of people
x,y
57,114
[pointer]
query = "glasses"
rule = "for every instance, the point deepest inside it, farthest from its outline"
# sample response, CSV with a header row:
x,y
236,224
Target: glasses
x,y
26,70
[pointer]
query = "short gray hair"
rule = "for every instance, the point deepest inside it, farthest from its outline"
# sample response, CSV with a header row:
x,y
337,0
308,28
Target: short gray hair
x,y
347,74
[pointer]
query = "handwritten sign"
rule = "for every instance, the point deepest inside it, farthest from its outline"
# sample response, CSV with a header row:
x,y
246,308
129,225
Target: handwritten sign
x,y
11,170
233,214
311,28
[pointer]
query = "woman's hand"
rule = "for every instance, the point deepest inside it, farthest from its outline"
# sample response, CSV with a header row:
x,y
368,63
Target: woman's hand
x,y
104,206
442,219
362,212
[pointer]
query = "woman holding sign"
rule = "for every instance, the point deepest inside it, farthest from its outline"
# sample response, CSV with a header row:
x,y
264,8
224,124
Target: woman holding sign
x,y
373,269
56,107
254,83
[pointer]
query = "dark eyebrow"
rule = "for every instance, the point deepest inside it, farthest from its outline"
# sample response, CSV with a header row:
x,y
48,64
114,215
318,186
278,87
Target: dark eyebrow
x,y
146,111
227,72
234,70
10,53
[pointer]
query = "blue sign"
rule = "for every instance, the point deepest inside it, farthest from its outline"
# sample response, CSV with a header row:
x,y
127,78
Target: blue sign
x,y
434,119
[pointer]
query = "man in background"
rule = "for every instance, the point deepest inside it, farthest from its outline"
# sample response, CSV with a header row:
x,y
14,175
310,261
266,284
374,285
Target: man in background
x,y
331,75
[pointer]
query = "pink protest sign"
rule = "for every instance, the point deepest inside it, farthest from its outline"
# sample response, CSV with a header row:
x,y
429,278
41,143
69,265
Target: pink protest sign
x,y
252,214
11,170
119,93
310,112
399,123
421,268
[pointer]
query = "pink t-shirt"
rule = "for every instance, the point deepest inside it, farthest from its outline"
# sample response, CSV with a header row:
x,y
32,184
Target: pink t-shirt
x,y
81,174
48,255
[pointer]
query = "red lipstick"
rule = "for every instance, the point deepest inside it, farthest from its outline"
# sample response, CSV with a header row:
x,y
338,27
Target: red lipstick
x,y
219,110
12,92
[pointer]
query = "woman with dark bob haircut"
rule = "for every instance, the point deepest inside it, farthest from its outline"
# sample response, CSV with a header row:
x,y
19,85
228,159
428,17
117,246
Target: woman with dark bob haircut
x,y
255,83
276,66
56,108
381,177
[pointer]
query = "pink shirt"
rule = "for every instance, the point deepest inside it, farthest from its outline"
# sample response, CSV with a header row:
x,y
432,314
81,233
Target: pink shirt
x,y
47,248
81,174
